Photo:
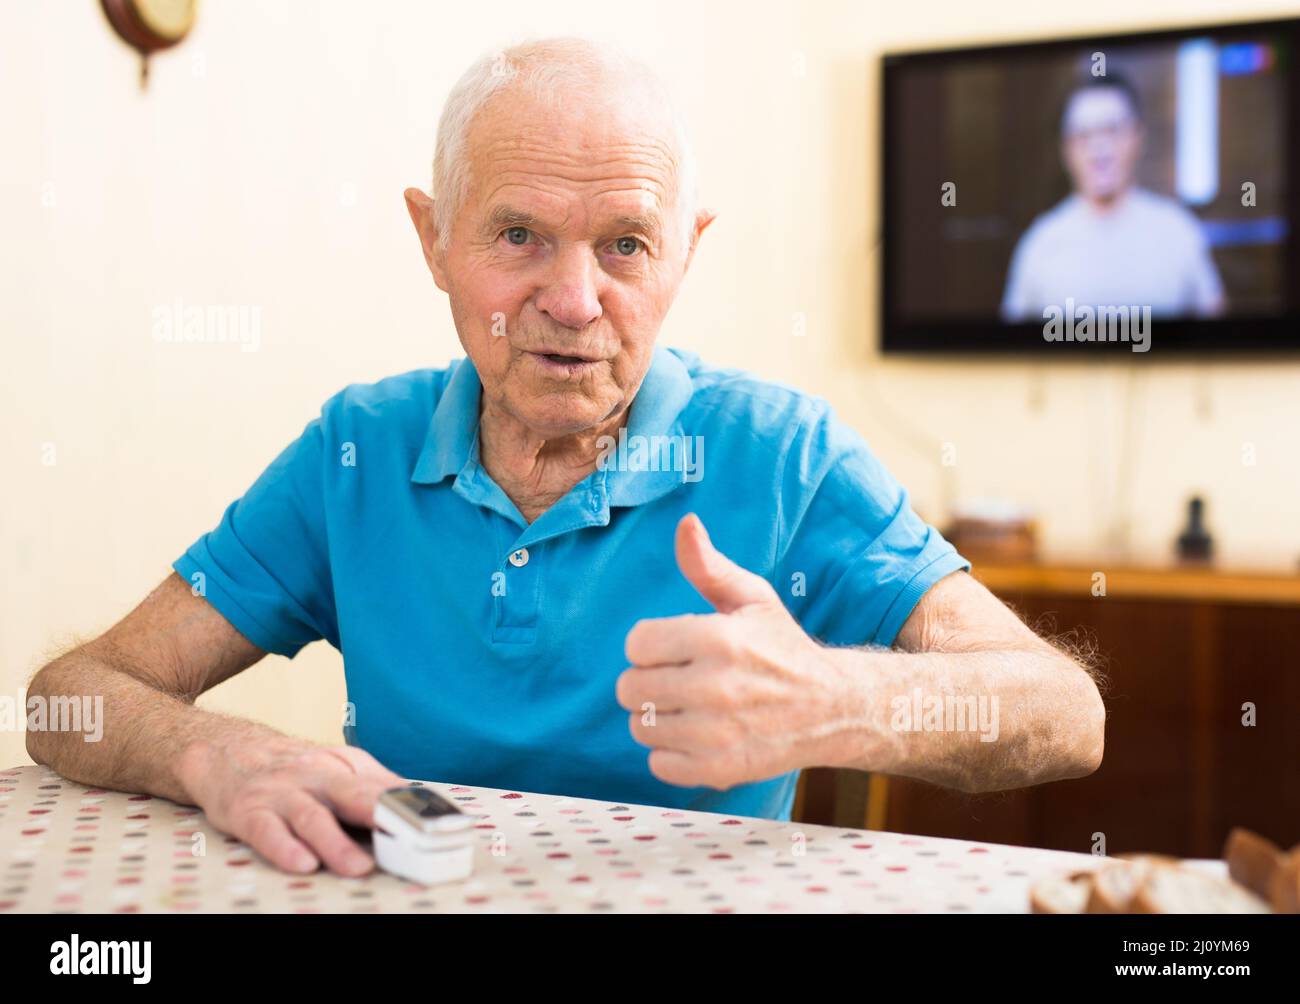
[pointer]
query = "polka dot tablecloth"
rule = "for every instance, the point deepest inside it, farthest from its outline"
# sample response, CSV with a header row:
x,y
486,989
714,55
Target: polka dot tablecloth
x,y
68,848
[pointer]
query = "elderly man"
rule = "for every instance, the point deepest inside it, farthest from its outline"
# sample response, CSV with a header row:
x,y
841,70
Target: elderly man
x,y
511,553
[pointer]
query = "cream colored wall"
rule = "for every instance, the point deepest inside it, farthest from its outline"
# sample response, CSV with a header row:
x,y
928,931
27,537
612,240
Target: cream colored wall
x,y
264,167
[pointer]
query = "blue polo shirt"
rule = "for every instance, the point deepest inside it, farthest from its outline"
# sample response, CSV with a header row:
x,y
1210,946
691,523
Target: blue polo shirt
x,y
481,649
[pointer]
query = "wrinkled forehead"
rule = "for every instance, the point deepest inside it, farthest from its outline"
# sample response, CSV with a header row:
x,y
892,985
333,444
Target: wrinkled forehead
x,y
1097,107
613,148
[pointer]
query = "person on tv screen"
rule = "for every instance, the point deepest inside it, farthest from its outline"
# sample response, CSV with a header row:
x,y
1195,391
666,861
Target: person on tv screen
x,y
1110,242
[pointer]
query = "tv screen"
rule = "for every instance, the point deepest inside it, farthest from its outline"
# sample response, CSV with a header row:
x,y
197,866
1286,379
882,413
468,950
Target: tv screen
x,y
1128,193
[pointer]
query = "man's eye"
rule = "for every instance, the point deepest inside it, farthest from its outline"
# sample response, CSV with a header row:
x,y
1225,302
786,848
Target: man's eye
x,y
516,235
627,246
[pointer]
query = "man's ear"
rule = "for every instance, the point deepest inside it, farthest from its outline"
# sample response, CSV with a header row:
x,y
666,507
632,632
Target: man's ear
x,y
420,206
702,220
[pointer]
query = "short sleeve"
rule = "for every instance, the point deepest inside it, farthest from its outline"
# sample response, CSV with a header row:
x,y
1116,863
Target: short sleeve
x,y
266,565
853,558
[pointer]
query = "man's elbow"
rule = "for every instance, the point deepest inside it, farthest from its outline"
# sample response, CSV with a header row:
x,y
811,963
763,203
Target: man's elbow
x,y
1088,737
1067,745
34,739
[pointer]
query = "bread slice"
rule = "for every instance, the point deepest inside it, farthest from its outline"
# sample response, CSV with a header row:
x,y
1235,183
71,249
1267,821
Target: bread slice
x,y
1284,887
1115,884
1060,894
1252,860
1182,890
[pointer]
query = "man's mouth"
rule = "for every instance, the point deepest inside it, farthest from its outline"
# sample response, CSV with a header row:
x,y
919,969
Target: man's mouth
x,y
564,363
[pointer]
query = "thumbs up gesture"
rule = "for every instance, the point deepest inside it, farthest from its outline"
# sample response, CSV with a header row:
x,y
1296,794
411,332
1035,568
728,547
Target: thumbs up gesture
x,y
739,695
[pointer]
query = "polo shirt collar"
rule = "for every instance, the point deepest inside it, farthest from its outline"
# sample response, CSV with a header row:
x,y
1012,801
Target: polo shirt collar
x,y
452,440
451,445
656,413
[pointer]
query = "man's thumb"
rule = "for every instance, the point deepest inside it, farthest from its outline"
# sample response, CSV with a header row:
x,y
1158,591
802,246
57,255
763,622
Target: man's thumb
x,y
715,576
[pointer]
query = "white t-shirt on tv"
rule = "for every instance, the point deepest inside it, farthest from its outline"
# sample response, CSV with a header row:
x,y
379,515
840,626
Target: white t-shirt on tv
x,y
1148,251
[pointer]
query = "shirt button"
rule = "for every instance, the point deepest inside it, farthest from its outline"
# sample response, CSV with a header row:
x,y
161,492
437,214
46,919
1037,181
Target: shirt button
x,y
519,558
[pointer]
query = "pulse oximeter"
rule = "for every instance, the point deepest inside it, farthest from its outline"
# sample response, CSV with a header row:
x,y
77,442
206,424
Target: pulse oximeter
x,y
421,836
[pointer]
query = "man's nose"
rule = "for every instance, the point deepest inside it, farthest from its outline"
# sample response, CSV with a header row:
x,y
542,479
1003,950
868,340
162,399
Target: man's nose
x,y
571,297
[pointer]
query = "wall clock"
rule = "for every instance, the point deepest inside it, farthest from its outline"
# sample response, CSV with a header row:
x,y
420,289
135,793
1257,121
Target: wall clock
x,y
149,26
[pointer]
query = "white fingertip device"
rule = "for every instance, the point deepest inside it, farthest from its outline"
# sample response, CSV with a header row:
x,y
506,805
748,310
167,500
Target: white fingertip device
x,y
421,836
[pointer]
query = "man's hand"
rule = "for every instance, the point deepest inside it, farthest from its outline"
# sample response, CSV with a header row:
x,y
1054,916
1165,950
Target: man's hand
x,y
740,695
284,798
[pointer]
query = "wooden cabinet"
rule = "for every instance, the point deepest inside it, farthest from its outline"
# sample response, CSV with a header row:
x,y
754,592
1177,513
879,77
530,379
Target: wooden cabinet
x,y
1182,651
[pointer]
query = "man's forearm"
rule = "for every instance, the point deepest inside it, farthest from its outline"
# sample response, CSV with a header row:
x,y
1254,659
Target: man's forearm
x,y
974,721
145,736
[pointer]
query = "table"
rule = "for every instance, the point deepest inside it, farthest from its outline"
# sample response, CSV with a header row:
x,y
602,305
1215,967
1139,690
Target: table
x,y
68,848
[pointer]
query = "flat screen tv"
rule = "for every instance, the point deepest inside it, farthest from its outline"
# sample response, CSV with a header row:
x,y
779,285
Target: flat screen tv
x,y
1130,193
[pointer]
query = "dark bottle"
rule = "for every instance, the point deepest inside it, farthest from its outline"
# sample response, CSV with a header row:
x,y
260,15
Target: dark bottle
x,y
1195,542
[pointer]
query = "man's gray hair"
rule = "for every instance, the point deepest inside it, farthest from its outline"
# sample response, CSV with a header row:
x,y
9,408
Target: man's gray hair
x,y
543,66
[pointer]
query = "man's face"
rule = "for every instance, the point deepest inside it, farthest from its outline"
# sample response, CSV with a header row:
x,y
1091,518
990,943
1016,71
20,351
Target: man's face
x,y
565,256
1101,142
